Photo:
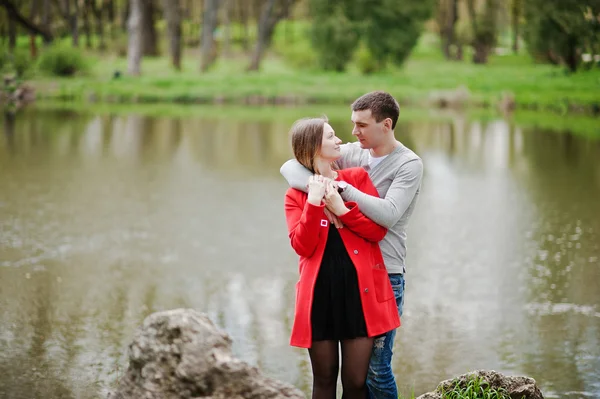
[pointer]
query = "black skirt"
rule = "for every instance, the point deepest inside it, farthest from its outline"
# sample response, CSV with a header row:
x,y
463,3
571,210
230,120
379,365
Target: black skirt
x,y
337,312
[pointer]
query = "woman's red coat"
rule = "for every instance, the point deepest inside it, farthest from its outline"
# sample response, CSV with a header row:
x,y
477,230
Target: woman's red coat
x,y
308,228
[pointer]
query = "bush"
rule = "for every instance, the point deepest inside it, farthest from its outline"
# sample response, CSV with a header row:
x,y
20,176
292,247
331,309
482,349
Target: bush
x,y
19,62
334,37
365,61
22,62
62,60
291,42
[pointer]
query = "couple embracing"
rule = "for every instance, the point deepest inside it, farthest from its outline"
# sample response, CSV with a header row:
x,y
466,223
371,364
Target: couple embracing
x,y
347,211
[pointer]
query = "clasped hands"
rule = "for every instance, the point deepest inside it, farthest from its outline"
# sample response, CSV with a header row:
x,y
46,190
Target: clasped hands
x,y
323,190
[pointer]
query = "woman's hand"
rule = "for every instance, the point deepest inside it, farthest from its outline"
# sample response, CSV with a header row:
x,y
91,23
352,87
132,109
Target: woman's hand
x,y
333,200
316,189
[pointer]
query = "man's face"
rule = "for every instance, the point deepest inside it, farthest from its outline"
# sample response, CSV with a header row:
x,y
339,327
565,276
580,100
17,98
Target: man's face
x,y
366,129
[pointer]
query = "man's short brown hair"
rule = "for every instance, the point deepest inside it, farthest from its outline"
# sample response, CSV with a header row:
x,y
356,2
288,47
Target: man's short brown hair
x,y
381,104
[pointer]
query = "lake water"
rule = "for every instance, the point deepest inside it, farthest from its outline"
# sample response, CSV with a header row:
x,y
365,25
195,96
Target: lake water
x,y
105,218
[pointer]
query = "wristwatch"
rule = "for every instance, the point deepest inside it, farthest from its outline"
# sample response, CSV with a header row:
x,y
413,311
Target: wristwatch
x,y
342,186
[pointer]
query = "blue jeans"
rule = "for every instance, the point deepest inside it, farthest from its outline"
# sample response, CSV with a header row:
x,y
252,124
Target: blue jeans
x,y
380,378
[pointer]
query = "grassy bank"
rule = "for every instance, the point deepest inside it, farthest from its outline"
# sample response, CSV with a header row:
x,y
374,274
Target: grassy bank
x,y
423,81
288,76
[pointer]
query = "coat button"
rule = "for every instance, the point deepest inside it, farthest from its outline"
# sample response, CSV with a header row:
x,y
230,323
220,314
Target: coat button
x,y
356,252
366,290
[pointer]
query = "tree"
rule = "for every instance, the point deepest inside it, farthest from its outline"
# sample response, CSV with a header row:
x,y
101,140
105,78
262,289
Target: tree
x,y
393,27
516,8
16,16
70,14
134,48
173,16
560,31
484,24
389,29
447,17
207,41
334,35
273,12
149,37
98,13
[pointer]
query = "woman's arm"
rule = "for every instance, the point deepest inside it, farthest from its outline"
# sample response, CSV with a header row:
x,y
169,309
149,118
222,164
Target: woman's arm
x,y
304,223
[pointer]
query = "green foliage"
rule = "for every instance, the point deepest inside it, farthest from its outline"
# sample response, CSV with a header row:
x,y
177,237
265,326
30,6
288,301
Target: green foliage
x,y
334,35
476,388
22,62
292,42
559,31
62,60
17,62
392,28
365,61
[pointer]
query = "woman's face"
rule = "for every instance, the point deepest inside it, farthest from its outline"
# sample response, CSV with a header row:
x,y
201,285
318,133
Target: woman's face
x,y
330,146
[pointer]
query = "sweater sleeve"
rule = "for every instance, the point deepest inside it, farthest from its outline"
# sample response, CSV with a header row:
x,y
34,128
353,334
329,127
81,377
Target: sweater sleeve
x,y
355,220
388,211
297,175
304,224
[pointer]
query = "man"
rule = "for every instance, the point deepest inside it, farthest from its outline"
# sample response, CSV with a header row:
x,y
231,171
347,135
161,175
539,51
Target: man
x,y
396,172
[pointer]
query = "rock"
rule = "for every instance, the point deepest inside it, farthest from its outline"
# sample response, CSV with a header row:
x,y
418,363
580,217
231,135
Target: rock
x,y
516,387
507,103
456,98
181,354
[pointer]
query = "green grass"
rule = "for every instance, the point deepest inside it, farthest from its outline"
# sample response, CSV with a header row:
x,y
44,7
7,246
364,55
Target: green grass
x,y
534,86
476,388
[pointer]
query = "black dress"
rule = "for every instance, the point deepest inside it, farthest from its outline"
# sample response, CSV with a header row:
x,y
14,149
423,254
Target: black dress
x,y
337,312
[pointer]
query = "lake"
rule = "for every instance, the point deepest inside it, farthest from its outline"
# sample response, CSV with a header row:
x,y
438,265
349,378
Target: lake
x,y
106,217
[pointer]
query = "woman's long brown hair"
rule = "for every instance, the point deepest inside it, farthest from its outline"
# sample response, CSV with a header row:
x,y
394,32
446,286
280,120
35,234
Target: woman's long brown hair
x,y
307,136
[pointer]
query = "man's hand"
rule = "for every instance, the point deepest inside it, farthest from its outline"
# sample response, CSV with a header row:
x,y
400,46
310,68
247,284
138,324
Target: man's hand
x,y
333,200
333,219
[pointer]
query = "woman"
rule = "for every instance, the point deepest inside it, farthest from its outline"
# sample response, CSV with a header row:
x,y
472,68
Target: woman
x,y
343,294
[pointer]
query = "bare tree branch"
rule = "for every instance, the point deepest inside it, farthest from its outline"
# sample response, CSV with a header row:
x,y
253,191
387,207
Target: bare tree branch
x,y
13,13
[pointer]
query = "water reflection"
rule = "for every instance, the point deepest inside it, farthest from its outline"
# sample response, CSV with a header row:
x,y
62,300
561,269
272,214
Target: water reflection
x,y
105,219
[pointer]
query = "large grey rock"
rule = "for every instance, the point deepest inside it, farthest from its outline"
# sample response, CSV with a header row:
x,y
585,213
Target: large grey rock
x,y
181,354
516,387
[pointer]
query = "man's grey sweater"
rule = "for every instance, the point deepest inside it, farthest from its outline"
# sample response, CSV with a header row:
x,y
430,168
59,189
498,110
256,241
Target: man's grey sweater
x,y
398,181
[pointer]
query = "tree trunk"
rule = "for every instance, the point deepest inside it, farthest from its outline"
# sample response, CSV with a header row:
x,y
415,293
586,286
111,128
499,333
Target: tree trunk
x,y
12,34
173,17
243,12
150,45
227,27
46,20
73,21
32,36
515,17
207,43
134,48
86,25
111,15
125,15
573,56
266,26
98,16
480,54
450,23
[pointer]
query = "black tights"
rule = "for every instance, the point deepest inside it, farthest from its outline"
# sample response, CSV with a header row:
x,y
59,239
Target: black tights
x,y
324,358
